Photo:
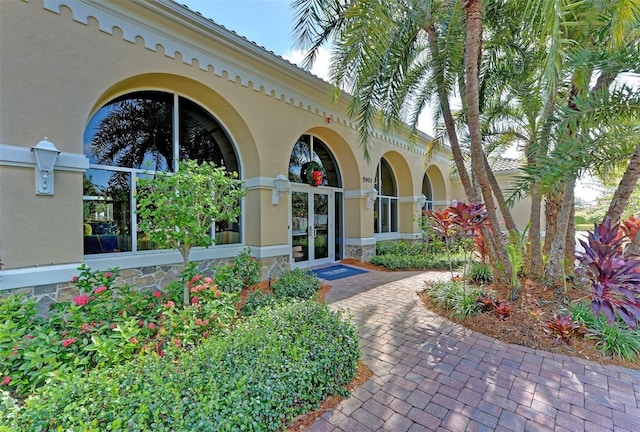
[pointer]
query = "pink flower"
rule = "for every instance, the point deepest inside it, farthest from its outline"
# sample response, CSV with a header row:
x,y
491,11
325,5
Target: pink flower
x,y
112,326
208,280
161,353
28,337
141,323
68,342
198,322
157,294
108,274
81,300
194,300
6,380
151,326
170,304
74,279
133,340
100,289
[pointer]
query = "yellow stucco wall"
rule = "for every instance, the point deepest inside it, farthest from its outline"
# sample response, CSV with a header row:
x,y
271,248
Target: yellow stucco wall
x,y
59,67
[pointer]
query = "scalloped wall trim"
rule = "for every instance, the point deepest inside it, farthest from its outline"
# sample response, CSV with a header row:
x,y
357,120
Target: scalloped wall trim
x,y
111,15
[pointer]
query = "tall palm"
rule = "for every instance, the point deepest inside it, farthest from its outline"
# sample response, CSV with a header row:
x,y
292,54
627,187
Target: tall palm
x,y
392,56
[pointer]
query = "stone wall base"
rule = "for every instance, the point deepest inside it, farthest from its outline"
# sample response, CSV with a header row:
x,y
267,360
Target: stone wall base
x,y
152,278
361,253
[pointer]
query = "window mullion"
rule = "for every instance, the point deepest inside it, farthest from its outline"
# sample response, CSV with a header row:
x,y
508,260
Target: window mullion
x,y
176,131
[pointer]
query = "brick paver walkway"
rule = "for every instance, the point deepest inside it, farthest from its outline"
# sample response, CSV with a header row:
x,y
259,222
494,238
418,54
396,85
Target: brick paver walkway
x,y
431,374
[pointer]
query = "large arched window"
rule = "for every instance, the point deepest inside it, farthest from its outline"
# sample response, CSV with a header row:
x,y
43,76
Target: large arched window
x,y
309,152
385,212
134,136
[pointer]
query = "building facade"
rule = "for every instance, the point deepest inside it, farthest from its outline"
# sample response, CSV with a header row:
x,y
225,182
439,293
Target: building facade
x,y
126,88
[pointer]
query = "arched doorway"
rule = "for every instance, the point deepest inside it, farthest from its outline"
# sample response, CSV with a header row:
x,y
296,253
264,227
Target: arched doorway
x,y
316,226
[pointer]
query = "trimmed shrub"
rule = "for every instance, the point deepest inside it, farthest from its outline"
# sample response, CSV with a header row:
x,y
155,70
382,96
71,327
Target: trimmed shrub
x,y
422,262
274,366
296,283
255,301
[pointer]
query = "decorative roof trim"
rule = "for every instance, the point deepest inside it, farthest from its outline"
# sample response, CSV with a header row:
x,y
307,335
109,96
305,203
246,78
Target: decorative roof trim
x,y
116,14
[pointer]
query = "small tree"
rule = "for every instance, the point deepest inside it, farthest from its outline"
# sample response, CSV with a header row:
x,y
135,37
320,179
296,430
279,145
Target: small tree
x,y
178,210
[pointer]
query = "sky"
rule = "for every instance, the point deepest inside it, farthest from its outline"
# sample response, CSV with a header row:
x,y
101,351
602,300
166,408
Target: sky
x,y
268,23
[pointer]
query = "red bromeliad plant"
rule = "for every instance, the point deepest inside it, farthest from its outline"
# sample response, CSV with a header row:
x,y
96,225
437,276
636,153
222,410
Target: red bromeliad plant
x,y
630,227
562,328
614,278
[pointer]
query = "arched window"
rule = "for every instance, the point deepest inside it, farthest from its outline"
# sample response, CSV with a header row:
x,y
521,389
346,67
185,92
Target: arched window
x,y
134,136
385,212
427,192
308,153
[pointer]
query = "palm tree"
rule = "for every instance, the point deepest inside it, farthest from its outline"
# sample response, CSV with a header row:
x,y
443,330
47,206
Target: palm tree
x,y
392,56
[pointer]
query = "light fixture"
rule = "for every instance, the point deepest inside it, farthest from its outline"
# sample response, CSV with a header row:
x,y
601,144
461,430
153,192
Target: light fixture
x,y
46,154
420,201
371,197
281,185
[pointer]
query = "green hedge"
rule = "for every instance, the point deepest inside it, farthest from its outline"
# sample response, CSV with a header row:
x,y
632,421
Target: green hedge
x,y
408,262
274,366
296,283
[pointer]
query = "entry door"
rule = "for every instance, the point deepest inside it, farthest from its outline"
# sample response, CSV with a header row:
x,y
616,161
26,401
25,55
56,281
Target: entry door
x,y
312,234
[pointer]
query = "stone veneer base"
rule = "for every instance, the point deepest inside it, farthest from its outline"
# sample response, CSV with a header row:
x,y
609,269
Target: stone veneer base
x,y
153,278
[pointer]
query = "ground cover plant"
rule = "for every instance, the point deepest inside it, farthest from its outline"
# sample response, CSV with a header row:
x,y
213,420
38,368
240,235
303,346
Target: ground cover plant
x,y
258,376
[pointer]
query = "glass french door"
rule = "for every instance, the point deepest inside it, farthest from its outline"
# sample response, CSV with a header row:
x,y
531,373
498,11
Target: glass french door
x,y
312,221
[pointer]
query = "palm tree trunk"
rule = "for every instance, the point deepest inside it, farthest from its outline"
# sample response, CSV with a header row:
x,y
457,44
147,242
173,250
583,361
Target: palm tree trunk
x,y
473,54
554,268
534,264
449,123
570,245
552,214
625,188
509,223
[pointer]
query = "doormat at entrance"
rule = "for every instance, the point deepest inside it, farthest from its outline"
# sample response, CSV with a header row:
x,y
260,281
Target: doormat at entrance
x,y
337,271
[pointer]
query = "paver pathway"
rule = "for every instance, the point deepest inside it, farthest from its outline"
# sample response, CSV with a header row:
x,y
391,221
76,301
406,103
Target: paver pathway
x,y
431,374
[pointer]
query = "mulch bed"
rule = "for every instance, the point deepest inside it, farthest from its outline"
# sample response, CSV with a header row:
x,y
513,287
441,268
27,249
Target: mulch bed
x,y
525,326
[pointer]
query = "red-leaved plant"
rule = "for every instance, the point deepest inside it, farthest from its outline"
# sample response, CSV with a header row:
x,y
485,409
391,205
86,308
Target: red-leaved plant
x,y
562,328
614,278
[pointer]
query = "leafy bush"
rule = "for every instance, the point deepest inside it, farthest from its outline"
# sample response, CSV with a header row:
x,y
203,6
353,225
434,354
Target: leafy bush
x,y
246,268
480,273
103,326
400,247
227,279
455,297
296,283
409,262
272,367
255,301
615,340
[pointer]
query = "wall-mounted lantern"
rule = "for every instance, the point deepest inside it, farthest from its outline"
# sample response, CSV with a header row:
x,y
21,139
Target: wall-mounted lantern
x,y
420,201
46,155
281,185
372,195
